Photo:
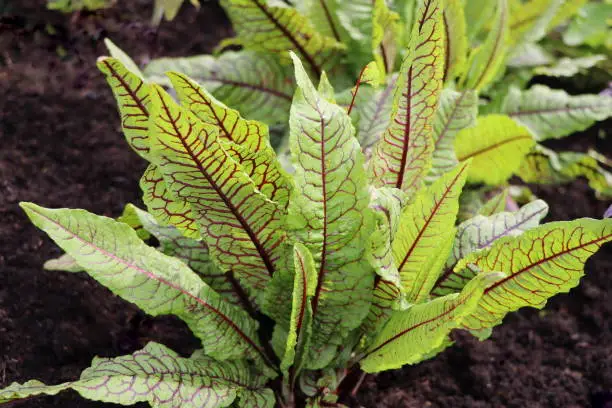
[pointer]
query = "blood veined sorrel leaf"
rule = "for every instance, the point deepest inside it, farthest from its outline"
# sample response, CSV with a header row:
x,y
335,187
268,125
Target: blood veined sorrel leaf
x,y
328,213
426,233
545,166
165,206
481,232
242,228
194,254
278,28
112,253
374,115
248,140
386,36
455,39
300,328
402,157
496,145
387,204
553,113
159,376
132,95
486,60
254,84
411,335
456,111
539,264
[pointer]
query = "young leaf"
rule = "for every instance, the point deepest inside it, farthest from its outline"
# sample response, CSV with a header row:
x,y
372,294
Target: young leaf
x,y
387,204
481,232
426,233
386,33
300,329
132,95
328,213
255,84
411,335
242,228
539,264
249,142
455,39
478,14
529,22
165,206
402,157
496,146
159,376
121,56
544,166
64,263
456,111
278,29
486,60
553,113
112,253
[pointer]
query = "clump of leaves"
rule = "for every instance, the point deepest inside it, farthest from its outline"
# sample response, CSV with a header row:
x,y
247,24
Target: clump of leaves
x,y
493,50
294,282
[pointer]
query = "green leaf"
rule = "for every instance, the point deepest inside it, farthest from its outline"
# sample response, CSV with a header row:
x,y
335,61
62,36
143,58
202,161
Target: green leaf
x,y
553,114
411,335
250,143
530,21
544,166
328,213
568,67
277,28
387,204
539,264
159,376
64,263
300,330
168,9
402,157
374,112
112,253
496,146
480,233
495,204
591,26
242,228
165,206
455,39
456,111
386,34
254,84
426,232
132,95
121,56
478,14
486,60
194,254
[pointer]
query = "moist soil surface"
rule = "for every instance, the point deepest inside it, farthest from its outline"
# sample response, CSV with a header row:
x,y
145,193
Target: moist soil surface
x,y
61,146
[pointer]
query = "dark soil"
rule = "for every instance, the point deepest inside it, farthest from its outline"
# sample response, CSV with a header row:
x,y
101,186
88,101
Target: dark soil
x,y
61,146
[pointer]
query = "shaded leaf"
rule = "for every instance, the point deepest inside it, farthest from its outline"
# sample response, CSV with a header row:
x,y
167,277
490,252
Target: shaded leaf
x,y
554,113
252,83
